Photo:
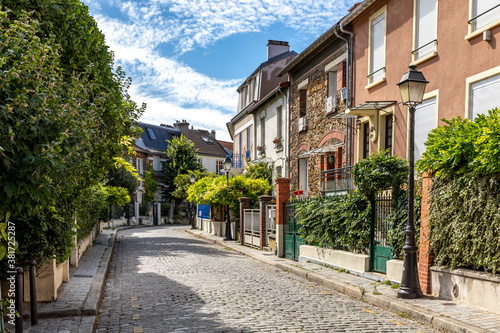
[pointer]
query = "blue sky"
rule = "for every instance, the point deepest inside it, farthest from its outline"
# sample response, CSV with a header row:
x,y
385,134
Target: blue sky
x,y
187,57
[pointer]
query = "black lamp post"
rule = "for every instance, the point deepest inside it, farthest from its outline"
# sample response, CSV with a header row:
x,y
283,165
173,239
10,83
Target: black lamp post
x,y
412,87
227,166
192,179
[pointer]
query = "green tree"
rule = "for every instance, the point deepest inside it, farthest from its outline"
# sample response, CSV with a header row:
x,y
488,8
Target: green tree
x,y
214,190
181,159
150,186
260,170
119,176
64,116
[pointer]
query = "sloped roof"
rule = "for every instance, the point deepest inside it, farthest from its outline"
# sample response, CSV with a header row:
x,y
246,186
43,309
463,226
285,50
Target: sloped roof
x,y
156,137
206,144
272,60
227,145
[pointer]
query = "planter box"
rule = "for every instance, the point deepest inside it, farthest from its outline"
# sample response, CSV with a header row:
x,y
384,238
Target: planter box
x,y
394,270
355,262
77,252
475,288
49,278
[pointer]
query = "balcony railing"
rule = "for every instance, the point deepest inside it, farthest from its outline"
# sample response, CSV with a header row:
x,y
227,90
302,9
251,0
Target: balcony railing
x,y
237,161
337,181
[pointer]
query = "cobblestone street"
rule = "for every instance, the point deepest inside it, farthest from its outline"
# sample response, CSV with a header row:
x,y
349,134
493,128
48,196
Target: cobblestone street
x,y
164,280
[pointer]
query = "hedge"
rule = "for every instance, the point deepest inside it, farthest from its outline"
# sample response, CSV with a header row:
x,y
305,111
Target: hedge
x,y
464,220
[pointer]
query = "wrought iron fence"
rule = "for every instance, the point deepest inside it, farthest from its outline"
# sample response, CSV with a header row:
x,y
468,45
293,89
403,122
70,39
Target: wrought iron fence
x,y
383,208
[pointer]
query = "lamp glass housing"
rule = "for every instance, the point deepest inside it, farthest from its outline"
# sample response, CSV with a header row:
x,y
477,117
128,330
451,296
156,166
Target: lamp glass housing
x,y
192,178
412,87
227,164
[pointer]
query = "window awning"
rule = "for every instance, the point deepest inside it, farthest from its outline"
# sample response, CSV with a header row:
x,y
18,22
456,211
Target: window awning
x,y
368,108
321,150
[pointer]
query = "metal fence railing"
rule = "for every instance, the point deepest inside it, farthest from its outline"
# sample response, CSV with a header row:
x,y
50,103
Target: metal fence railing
x,y
337,181
251,226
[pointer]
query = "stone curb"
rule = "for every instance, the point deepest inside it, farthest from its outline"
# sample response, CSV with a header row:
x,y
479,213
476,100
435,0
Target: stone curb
x,y
416,313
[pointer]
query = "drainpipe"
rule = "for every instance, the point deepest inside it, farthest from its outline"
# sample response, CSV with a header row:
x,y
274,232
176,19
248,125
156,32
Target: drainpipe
x,y
286,129
350,83
348,101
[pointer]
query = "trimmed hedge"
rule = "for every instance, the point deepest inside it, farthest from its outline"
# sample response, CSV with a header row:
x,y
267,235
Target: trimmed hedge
x,y
464,220
337,222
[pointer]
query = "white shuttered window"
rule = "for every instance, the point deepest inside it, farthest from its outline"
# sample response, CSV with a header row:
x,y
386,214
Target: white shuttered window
x,y
425,121
484,95
377,61
426,28
485,7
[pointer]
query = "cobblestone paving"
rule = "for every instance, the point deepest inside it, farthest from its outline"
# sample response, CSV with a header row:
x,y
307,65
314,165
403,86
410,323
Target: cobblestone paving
x,y
165,280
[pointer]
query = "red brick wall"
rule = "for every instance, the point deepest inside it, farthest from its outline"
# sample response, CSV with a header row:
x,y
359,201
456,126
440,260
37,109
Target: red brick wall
x,y
425,256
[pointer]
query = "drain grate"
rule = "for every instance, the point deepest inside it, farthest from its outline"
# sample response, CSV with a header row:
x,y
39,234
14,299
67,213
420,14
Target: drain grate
x,y
448,304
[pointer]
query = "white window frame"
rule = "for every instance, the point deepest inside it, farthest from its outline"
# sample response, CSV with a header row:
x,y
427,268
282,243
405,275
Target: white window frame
x,y
473,79
416,60
139,165
371,83
473,32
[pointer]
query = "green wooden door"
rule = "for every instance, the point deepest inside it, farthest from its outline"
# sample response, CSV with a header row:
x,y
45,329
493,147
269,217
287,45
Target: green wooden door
x,y
380,247
293,241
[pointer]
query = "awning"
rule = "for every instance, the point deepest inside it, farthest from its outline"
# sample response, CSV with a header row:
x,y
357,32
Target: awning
x,y
321,150
368,108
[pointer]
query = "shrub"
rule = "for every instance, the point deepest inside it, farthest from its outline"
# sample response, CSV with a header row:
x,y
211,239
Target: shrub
x,y
380,171
338,222
464,147
464,222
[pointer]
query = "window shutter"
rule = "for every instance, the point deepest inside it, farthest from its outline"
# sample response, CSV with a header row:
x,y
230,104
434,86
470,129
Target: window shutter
x,y
484,96
425,121
481,6
426,29
378,47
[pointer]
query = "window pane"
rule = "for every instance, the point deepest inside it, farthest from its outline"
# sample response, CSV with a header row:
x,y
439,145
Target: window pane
x,y
388,134
378,48
332,83
482,6
484,96
426,26
425,121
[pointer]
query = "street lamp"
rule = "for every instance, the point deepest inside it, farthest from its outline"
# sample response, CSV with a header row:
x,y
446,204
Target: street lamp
x,y
227,166
192,179
412,87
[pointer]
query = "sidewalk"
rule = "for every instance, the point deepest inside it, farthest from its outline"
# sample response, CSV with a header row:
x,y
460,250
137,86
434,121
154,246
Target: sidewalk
x,y
441,314
77,305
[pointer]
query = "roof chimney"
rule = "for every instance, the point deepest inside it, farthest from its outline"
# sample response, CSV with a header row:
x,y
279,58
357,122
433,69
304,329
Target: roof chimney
x,y
276,47
182,126
213,134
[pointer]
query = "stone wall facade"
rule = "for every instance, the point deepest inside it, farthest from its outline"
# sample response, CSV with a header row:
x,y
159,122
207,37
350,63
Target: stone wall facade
x,y
322,128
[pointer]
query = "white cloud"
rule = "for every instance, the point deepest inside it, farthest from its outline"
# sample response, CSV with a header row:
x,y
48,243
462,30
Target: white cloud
x,y
174,91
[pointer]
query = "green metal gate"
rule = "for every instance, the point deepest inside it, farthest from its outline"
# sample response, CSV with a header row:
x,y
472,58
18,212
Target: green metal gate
x,y
292,236
380,247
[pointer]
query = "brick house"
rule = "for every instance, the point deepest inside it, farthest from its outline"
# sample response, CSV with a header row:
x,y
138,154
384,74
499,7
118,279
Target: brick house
x,y
319,132
259,129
